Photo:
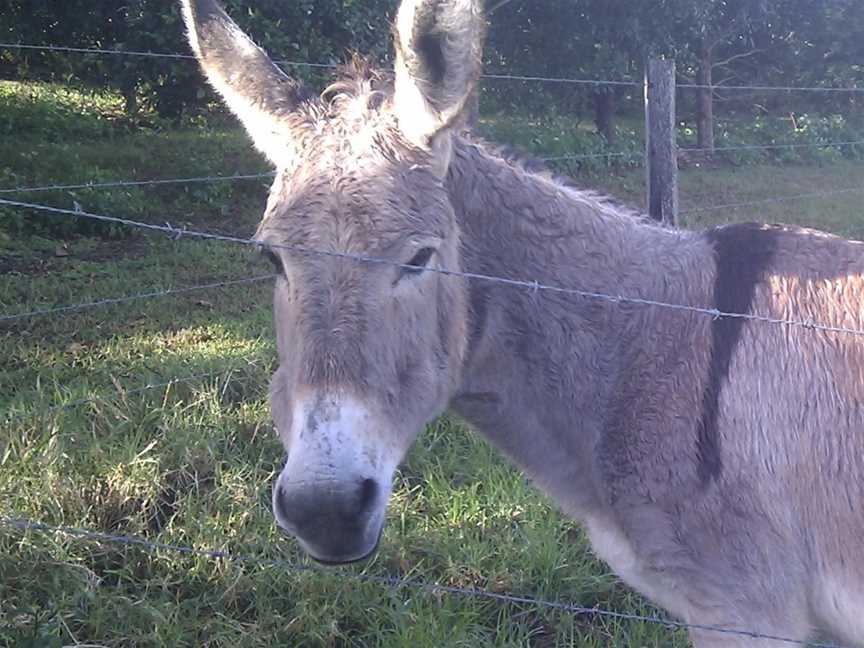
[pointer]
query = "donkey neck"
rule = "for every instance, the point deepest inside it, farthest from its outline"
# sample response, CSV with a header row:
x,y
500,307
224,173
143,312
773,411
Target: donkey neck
x,y
543,369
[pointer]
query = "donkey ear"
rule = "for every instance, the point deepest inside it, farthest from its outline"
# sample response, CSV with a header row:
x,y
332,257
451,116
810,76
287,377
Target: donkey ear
x,y
258,92
439,49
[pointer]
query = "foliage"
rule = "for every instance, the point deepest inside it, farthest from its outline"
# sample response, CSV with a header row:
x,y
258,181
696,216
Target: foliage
x,y
761,42
574,148
798,138
297,31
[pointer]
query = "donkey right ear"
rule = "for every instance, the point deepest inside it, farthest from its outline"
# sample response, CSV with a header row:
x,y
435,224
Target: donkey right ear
x,y
259,93
439,49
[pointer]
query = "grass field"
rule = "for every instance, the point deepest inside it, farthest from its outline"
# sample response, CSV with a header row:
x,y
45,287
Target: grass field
x,y
191,463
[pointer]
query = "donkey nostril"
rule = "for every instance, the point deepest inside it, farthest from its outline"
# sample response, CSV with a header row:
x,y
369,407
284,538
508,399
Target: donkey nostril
x,y
368,494
279,507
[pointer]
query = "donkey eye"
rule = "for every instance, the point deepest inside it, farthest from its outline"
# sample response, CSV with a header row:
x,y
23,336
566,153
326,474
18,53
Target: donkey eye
x,y
274,258
419,261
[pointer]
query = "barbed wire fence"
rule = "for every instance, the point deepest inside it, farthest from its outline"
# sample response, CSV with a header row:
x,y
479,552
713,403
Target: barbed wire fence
x,y
393,582
24,525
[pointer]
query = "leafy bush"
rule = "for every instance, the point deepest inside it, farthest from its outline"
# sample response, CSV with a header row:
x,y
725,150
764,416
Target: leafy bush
x,y
301,31
796,138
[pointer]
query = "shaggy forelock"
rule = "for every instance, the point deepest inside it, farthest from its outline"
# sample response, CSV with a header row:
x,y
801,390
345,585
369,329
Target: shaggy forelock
x,y
359,90
352,119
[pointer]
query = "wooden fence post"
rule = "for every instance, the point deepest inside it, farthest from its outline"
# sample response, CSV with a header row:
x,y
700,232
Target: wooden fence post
x,y
661,147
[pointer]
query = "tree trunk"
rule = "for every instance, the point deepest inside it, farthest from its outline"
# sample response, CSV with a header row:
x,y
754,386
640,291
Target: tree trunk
x,y
604,115
130,99
705,100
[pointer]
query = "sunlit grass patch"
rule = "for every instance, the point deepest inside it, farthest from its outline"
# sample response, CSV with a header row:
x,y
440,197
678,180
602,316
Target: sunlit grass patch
x,y
56,111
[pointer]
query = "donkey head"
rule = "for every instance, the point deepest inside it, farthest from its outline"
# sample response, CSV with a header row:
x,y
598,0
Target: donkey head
x,y
368,352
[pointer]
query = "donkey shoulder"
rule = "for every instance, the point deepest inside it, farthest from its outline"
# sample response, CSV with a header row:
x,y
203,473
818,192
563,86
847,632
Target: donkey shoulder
x,y
783,249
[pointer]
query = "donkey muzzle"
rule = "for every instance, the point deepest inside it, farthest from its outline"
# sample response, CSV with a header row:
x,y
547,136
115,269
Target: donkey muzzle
x,y
335,522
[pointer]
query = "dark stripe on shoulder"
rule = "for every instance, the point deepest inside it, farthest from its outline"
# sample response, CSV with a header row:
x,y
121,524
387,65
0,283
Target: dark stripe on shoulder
x,y
743,253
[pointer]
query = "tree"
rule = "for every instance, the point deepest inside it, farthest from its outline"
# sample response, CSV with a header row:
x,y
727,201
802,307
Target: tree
x,y
717,34
817,44
305,30
791,42
599,39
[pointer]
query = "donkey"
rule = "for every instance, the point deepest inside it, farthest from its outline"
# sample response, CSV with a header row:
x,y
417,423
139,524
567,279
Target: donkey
x,y
717,464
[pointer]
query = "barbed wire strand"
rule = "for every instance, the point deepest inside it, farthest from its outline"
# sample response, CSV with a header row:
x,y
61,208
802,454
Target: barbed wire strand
x,y
257,176
120,52
117,52
493,76
546,79
204,179
93,50
592,156
768,147
24,524
763,201
763,88
716,149
136,183
534,286
139,296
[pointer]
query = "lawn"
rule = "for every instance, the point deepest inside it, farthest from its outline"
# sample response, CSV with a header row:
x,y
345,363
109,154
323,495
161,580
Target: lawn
x,y
190,463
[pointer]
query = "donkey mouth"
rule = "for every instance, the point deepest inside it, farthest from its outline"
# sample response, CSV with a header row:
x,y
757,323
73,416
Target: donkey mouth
x,y
330,562
335,559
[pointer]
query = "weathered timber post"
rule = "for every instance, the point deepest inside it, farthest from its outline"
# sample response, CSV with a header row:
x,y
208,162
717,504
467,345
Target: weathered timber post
x,y
661,147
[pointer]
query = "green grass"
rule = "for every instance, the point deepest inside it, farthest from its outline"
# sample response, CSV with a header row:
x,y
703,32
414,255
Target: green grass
x,y
191,464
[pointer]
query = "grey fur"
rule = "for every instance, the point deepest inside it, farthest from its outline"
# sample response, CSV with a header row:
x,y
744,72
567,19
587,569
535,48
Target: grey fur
x,y
599,403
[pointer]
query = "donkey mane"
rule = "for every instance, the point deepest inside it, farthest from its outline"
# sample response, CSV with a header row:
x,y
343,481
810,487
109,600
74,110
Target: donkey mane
x,y
537,167
357,79
361,84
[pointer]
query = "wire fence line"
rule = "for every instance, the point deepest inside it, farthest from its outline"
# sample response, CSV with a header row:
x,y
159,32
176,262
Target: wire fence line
x,y
764,88
592,156
763,201
493,76
136,183
121,52
771,147
9,317
534,286
136,297
393,582
546,79
112,184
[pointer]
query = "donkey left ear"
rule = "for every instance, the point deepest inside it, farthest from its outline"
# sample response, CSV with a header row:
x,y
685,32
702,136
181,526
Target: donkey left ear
x,y
254,88
439,50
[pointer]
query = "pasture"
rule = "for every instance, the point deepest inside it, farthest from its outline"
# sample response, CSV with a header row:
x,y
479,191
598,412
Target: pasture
x,y
191,463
